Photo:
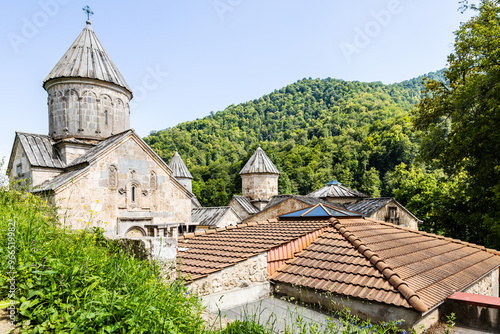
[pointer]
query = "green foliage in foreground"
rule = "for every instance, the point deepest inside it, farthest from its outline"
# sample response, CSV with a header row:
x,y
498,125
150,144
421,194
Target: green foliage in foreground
x,y
67,282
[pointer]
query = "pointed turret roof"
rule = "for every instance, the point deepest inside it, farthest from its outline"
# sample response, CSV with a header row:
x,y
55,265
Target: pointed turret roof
x,y
179,169
87,58
259,163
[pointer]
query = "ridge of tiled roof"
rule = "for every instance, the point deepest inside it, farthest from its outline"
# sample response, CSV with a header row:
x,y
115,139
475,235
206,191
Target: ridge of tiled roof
x,y
178,167
259,163
87,58
204,252
386,263
385,269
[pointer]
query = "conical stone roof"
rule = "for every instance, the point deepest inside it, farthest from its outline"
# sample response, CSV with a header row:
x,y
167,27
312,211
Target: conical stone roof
x,y
179,169
87,58
259,163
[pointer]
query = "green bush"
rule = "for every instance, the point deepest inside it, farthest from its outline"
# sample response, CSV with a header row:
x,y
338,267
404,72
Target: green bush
x,y
71,281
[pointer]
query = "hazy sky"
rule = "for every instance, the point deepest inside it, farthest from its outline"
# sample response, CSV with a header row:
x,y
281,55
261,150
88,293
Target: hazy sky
x,y
183,59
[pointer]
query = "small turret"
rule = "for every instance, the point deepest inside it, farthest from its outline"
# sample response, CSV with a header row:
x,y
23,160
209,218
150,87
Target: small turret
x,y
259,179
180,171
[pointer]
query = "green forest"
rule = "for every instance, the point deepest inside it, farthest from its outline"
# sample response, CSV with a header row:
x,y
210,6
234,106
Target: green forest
x,y
432,142
314,130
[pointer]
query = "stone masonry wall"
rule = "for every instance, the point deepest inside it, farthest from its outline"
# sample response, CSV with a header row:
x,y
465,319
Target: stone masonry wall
x,y
259,186
405,219
87,108
103,194
241,275
238,209
487,286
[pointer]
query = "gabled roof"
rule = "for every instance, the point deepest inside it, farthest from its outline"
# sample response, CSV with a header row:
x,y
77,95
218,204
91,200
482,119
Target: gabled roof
x,y
40,150
336,190
210,216
322,211
87,58
277,199
245,203
259,163
179,169
367,206
381,262
212,250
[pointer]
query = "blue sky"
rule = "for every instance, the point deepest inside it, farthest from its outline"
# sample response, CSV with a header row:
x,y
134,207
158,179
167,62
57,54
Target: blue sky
x,y
183,59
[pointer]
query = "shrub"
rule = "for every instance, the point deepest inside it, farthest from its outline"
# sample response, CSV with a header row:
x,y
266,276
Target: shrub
x,y
71,281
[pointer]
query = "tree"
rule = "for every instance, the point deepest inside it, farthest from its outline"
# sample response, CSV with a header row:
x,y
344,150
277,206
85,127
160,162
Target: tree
x,y
461,122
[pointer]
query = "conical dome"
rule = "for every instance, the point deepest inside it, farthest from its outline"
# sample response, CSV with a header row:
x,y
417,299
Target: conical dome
x,y
259,163
179,169
87,58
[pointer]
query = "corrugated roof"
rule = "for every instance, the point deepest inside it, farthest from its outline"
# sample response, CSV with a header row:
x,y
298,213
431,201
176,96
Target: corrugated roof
x,y
259,163
87,58
92,153
246,204
382,262
179,169
40,150
367,206
210,216
277,199
336,190
212,250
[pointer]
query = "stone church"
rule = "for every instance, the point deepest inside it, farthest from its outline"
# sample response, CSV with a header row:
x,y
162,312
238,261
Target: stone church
x,y
92,165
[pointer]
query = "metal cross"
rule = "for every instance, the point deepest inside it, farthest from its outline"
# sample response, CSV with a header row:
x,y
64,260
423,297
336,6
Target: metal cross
x,y
88,11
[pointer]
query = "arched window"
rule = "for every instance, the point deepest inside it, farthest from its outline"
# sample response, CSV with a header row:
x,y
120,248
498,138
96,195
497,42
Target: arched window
x,y
106,117
133,193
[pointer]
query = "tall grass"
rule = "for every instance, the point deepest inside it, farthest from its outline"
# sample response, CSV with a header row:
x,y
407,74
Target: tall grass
x,y
73,281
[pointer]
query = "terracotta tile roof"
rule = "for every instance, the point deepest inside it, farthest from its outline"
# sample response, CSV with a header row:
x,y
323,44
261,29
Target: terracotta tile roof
x,y
385,263
202,253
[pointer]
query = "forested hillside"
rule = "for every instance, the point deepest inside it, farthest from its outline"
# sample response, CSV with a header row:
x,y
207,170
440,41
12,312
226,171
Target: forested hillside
x,y
314,130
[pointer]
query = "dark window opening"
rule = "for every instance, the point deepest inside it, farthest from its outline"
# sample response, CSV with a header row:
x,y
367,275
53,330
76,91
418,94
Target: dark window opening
x,y
106,117
132,193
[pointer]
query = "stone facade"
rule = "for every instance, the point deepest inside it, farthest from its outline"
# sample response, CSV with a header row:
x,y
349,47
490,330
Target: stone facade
x,y
122,190
259,186
402,217
242,275
487,286
86,108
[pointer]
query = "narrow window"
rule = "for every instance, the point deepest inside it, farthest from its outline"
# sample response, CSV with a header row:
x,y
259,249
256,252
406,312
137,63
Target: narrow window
x,y
19,169
106,117
132,193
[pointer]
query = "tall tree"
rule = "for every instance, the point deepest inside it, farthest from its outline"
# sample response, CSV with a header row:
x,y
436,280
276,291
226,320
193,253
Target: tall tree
x,y
461,122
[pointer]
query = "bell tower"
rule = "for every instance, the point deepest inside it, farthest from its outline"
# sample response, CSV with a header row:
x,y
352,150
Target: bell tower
x,y
88,98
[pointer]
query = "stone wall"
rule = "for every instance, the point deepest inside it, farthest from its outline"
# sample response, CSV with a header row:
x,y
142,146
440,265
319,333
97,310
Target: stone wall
x,y
102,195
87,108
238,209
241,275
259,186
487,286
405,219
